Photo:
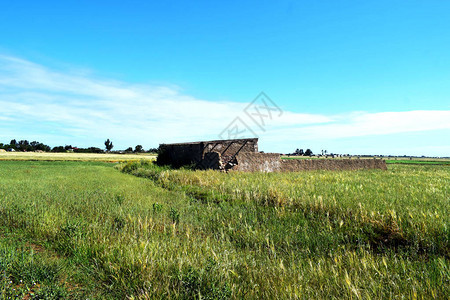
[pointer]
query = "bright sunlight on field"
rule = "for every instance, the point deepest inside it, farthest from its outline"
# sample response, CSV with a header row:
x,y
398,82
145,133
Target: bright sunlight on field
x,y
86,230
49,156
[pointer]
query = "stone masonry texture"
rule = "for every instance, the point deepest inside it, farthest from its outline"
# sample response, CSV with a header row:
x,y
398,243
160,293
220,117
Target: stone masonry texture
x,y
243,155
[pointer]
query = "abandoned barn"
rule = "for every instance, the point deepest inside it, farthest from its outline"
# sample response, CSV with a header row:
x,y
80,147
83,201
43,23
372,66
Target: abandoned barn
x,y
243,155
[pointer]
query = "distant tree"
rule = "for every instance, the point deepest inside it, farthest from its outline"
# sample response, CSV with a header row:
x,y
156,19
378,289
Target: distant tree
x,y
153,150
109,145
67,147
94,150
58,149
23,145
129,149
88,150
299,152
138,149
13,143
39,146
308,152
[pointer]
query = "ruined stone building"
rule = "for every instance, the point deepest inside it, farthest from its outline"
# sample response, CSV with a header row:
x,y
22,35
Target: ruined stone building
x,y
243,155
220,154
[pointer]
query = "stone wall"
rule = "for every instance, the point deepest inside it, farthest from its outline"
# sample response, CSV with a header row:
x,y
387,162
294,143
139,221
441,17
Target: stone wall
x,y
258,162
290,165
179,155
211,160
243,155
183,154
231,147
272,162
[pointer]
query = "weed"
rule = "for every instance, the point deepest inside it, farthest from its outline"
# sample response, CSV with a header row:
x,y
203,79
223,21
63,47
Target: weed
x,y
174,215
118,199
157,207
52,292
118,223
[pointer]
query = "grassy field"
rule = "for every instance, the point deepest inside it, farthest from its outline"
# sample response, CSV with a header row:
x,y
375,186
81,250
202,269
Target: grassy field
x,y
443,162
80,230
389,160
47,156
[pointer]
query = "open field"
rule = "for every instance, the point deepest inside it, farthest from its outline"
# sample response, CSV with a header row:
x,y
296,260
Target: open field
x,y
46,156
389,160
85,229
443,162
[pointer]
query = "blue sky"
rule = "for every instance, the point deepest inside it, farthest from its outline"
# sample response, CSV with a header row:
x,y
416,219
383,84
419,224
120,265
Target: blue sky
x,y
349,77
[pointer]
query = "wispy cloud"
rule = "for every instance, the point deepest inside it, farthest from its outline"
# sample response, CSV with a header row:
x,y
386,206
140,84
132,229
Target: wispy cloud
x,y
364,124
80,108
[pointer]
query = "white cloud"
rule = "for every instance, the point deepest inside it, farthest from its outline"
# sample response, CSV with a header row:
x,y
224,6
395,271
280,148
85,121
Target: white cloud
x,y
79,108
363,124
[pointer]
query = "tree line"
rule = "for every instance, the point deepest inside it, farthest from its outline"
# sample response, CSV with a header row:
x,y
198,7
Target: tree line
x,y
26,146
300,152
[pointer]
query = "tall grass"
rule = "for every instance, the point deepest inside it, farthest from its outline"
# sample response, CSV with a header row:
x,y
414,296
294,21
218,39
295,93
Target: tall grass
x,y
406,206
204,234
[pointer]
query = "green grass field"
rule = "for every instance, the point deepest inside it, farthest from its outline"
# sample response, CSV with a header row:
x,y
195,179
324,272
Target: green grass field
x,y
441,162
77,230
397,160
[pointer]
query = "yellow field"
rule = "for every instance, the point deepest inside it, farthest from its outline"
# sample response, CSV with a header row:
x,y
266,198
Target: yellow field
x,y
73,156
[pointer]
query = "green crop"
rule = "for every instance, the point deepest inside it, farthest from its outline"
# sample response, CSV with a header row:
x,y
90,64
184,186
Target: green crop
x,y
85,230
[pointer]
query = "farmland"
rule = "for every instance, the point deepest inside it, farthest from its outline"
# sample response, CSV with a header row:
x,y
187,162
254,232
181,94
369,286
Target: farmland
x,y
389,160
91,229
49,156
